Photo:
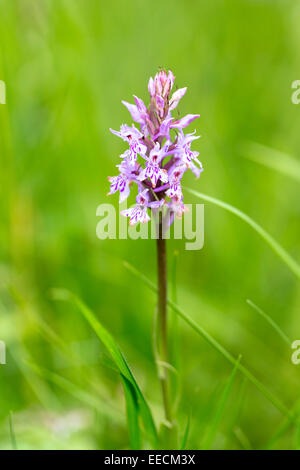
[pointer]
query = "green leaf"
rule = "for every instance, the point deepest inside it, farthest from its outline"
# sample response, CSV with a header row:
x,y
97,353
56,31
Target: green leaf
x,y
276,247
284,427
132,409
220,408
216,345
271,322
123,368
81,395
271,158
12,432
186,434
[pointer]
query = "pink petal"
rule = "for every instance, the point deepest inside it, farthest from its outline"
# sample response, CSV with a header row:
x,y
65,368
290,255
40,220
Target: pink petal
x,y
176,97
135,114
140,104
185,121
171,79
127,212
124,193
151,87
117,133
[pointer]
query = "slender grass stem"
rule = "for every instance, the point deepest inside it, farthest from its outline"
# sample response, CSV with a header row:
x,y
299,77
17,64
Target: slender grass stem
x,y
175,340
12,432
218,347
276,247
271,322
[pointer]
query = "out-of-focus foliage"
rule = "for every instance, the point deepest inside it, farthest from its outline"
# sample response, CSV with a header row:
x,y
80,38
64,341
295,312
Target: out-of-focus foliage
x,y
67,65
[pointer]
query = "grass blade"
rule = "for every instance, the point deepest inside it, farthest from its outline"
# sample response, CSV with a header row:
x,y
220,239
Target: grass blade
x,y
12,432
46,397
132,410
271,158
119,360
220,408
242,438
276,247
216,345
271,322
104,409
284,427
186,434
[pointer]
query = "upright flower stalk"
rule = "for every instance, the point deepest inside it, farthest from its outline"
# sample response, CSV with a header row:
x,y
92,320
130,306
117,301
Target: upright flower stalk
x,y
162,316
158,155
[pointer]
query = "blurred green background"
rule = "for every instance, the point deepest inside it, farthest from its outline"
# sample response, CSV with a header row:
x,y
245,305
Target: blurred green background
x,y
67,65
